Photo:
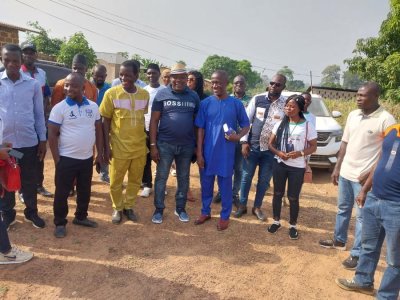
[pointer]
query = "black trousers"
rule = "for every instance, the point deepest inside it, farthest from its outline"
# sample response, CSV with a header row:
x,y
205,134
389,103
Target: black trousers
x,y
28,165
67,169
147,177
294,177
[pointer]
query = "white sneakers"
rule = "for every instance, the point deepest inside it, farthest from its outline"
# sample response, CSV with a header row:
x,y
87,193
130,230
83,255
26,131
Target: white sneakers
x,y
145,192
15,256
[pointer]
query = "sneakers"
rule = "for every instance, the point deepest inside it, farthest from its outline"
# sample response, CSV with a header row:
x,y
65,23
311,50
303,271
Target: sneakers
x,y
105,178
36,221
242,210
259,214
116,217
60,231
85,222
15,256
145,192
274,227
350,263
217,198
183,216
41,190
293,234
351,285
130,214
157,218
332,244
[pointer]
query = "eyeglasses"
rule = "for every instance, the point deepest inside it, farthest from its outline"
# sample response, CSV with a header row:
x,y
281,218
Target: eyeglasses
x,y
273,83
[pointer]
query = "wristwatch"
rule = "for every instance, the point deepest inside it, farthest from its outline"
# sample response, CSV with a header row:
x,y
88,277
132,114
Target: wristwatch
x,y
243,142
302,153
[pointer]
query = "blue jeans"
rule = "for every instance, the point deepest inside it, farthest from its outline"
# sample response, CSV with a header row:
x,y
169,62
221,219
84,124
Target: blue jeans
x,y
380,217
237,169
182,156
264,160
348,191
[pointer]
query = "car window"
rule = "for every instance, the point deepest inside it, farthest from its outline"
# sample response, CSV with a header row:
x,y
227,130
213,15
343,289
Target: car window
x,y
318,108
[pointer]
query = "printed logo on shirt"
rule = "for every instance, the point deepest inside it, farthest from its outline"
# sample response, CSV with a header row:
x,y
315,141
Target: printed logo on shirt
x,y
179,104
72,115
89,113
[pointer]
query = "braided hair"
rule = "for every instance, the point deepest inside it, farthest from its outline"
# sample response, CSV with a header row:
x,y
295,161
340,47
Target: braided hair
x,y
282,135
199,89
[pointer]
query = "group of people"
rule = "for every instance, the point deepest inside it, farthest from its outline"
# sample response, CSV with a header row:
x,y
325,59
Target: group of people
x,y
172,122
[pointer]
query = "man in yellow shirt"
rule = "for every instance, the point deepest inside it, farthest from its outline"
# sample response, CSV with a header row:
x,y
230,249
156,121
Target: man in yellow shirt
x,y
123,110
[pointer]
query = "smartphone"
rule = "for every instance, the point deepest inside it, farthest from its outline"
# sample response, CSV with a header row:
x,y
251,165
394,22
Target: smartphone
x,y
16,154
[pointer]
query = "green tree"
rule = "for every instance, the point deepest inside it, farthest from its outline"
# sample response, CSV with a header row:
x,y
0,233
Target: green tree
x,y
77,44
287,72
232,67
351,80
181,62
43,42
378,58
331,76
124,54
291,83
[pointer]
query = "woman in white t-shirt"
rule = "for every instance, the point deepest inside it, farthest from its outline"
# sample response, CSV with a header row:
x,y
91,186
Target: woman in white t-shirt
x,y
288,143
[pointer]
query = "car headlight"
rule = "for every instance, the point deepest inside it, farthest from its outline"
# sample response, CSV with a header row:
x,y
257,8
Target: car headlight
x,y
338,135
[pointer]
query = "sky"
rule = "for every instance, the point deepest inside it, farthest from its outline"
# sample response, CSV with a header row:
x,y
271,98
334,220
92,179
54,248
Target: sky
x,y
306,35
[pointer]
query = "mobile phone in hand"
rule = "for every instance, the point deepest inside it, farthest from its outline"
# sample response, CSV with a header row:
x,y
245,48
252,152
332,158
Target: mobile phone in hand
x,y
15,153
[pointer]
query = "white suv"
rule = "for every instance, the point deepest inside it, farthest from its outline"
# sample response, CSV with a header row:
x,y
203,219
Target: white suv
x,y
329,133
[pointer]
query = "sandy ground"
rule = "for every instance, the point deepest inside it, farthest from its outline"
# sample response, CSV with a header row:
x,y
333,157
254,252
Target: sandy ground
x,y
180,261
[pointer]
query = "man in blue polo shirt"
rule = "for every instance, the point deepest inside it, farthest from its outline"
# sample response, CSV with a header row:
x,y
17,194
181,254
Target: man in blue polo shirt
x,y
74,128
381,217
172,137
216,146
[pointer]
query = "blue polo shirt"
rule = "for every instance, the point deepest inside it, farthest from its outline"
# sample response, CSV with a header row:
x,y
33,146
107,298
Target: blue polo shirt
x,y
101,92
178,110
386,180
219,153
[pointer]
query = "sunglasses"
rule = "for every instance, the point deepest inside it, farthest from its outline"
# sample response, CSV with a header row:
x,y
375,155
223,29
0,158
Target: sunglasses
x,y
273,83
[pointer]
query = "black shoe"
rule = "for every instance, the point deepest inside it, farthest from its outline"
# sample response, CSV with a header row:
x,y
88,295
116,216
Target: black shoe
x,y
71,192
350,285
242,210
258,213
274,228
332,244
129,213
293,234
235,201
36,221
85,222
116,217
217,198
60,231
41,190
350,263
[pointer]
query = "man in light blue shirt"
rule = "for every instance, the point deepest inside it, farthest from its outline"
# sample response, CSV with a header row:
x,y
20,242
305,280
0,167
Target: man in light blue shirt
x,y
21,109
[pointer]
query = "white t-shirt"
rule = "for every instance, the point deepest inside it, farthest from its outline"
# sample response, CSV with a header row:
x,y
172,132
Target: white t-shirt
x,y
138,82
364,136
296,140
152,92
77,127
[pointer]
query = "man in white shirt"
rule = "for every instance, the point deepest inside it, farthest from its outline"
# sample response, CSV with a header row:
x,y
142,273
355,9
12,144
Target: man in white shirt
x,y
359,151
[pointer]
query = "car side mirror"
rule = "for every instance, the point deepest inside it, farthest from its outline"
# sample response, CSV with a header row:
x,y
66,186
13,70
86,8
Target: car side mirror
x,y
336,114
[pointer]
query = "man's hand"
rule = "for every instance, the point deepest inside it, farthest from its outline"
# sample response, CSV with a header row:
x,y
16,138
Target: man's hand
x,y
360,199
282,155
363,178
335,176
200,160
42,148
155,156
234,137
107,156
294,154
4,153
245,150
99,160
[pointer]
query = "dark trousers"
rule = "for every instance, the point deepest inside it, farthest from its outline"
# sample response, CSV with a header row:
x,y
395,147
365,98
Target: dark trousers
x,y
67,169
28,165
40,173
147,176
294,177
5,245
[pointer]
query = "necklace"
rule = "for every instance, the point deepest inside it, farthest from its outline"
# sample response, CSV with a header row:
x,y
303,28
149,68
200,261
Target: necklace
x,y
293,129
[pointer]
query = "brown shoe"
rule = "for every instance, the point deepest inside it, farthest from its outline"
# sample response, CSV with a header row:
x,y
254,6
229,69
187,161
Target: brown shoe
x,y
202,219
259,214
222,224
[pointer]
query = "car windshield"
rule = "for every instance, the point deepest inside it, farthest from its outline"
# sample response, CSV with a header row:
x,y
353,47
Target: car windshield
x,y
318,108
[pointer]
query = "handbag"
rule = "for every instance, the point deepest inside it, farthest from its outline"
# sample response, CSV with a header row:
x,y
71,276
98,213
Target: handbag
x,y
308,171
10,175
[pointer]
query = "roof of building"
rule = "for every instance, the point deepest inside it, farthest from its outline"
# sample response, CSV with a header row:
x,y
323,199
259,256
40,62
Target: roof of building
x,y
111,58
2,24
331,89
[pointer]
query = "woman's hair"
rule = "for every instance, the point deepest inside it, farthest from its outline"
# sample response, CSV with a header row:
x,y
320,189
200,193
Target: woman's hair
x,y
199,89
282,135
